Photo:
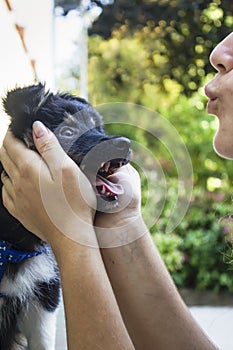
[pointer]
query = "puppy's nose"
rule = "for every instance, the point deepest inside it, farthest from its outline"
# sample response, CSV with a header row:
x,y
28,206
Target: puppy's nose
x,y
121,143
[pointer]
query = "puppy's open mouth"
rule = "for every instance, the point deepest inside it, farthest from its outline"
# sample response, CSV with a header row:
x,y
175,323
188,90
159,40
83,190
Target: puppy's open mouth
x,y
105,189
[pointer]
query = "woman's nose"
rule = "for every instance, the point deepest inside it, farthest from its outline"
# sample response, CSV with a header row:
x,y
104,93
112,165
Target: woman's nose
x,y
221,57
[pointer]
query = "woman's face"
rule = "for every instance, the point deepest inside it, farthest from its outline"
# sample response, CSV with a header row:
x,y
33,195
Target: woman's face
x,y
220,93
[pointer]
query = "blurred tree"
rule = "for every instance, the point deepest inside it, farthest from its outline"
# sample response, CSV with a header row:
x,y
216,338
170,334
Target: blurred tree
x,y
120,71
183,32
138,67
155,54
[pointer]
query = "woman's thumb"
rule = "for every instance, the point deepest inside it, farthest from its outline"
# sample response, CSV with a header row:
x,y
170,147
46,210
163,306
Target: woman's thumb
x,y
48,146
39,130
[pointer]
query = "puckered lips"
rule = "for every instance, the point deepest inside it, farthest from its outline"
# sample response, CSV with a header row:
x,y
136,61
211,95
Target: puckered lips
x,y
212,99
210,94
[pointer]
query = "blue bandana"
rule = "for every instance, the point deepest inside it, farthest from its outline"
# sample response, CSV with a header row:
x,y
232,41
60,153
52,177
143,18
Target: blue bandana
x,y
8,254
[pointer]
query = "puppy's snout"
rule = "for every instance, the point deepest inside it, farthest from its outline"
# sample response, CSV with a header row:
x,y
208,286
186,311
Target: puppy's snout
x,y
122,144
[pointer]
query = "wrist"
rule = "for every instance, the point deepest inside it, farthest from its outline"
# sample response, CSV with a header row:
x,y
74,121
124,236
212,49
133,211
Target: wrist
x,y
117,218
79,233
114,232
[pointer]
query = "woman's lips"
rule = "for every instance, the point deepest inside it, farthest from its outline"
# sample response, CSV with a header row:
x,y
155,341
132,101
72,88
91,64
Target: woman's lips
x,y
212,100
210,94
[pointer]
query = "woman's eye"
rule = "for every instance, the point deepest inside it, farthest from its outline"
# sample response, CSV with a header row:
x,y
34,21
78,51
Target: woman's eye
x,y
67,132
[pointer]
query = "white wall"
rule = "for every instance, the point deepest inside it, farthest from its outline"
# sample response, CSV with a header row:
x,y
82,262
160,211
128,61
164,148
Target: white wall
x,y
36,16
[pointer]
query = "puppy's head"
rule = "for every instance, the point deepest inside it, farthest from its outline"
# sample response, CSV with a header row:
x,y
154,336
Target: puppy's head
x,y
79,129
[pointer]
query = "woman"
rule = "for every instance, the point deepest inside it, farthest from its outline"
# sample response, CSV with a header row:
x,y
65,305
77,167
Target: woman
x,y
123,297
220,91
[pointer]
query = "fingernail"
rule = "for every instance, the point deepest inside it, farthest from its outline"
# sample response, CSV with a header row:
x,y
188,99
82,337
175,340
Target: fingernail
x,y
39,129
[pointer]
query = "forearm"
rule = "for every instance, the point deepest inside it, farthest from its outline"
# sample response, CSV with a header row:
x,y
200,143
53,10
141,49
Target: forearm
x,y
152,309
44,192
93,318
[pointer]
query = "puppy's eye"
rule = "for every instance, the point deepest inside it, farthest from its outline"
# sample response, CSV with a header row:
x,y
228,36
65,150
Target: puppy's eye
x,y
67,131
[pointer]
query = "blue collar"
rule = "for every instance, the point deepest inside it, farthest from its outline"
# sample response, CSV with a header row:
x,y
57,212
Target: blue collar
x,y
8,254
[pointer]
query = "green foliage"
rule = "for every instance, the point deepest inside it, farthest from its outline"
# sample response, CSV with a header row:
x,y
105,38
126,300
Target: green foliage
x,y
155,54
178,34
198,253
119,70
204,246
169,247
197,130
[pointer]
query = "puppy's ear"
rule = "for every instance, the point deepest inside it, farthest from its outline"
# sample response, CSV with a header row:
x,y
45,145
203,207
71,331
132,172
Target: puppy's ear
x,y
22,104
23,100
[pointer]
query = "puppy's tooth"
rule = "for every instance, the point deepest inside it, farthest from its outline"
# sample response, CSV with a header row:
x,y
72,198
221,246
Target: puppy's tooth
x,y
103,190
106,167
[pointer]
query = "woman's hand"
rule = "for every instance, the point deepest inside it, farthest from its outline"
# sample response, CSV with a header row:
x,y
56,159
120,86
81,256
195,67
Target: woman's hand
x,y
125,224
44,191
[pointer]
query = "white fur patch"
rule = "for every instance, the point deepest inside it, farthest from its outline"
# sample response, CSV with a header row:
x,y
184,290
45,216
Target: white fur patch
x,y
39,268
39,327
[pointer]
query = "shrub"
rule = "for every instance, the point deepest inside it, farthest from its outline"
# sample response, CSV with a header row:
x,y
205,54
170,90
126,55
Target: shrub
x,y
198,253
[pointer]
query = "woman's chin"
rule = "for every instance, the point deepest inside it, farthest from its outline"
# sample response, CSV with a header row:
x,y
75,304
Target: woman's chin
x,y
222,147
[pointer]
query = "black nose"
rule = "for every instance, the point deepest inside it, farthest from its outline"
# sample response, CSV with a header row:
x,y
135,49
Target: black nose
x,y
121,143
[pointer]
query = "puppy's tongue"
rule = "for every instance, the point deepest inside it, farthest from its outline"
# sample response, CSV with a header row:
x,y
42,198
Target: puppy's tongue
x,y
109,186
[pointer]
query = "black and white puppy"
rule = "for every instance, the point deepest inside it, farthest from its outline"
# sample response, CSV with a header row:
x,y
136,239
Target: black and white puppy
x,y
29,276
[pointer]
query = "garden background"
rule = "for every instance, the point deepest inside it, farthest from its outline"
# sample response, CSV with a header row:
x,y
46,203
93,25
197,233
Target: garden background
x,y
155,53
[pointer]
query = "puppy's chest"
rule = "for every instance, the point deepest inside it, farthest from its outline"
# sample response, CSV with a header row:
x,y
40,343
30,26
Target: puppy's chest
x,y
20,280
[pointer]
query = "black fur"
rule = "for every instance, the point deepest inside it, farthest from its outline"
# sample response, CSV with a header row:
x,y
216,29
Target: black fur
x,y
9,311
78,127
